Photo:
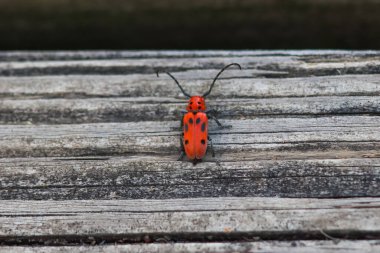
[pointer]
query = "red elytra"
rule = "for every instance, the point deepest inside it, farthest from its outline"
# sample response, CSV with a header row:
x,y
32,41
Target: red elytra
x,y
194,124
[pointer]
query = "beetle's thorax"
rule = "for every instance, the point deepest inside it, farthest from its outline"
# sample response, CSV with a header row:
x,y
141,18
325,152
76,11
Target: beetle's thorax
x,y
196,103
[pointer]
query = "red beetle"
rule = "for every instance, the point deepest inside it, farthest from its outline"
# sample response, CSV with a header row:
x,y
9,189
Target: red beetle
x,y
194,123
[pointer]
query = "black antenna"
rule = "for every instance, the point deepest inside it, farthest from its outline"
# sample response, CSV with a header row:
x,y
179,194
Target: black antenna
x,y
220,72
175,80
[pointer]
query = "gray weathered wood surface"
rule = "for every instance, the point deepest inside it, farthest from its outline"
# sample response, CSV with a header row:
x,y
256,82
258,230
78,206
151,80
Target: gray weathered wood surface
x,y
161,177
194,216
248,247
88,152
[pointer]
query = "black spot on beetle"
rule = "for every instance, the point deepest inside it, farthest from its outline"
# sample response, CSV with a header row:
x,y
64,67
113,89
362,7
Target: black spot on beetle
x,y
194,113
186,142
203,141
198,121
203,127
199,107
186,127
191,121
199,102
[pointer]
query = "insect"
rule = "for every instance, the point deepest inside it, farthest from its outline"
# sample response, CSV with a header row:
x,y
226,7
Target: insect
x,y
194,124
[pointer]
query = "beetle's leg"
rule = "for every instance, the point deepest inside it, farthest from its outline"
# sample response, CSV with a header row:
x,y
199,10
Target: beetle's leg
x,y
181,125
211,146
182,149
211,114
181,141
217,122
181,156
211,111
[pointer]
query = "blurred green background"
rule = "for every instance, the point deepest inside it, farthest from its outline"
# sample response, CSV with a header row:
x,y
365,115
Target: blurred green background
x,y
189,24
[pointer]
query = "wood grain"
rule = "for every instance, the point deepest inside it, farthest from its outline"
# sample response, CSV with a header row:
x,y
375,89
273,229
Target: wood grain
x,y
89,142
159,177
94,110
254,139
233,84
295,65
187,216
249,247
35,55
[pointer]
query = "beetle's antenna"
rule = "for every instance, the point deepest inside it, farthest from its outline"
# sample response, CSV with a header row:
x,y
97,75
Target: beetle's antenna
x,y
220,72
175,80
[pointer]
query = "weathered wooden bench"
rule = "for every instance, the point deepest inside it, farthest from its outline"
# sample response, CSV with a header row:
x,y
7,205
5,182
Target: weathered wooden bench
x,y
88,152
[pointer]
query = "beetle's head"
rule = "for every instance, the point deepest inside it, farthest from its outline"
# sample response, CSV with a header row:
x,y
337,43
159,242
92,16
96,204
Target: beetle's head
x,y
196,103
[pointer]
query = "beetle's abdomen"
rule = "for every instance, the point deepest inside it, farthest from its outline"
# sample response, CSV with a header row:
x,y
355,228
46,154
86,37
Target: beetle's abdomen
x,y
195,132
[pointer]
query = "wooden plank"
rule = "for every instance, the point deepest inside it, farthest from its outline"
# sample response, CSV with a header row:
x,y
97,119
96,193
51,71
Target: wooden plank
x,y
110,175
230,85
117,54
253,139
30,207
294,65
115,218
162,177
72,111
129,66
307,246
